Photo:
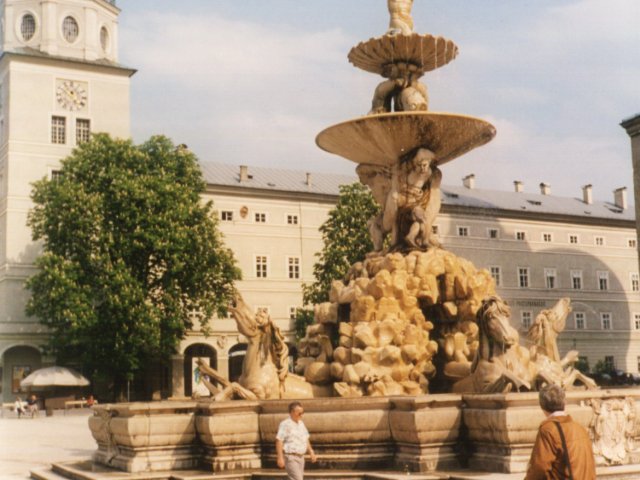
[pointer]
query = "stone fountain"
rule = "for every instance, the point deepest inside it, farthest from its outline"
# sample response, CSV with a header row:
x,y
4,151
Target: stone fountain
x,y
412,366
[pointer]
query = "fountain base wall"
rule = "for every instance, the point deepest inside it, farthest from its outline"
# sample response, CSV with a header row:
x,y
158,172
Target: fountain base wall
x,y
440,432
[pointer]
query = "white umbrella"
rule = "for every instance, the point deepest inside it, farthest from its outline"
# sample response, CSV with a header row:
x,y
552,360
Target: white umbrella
x,y
54,377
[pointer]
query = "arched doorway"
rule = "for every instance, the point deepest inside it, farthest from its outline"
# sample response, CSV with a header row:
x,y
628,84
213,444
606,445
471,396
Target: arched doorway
x,y
293,356
236,359
17,363
191,354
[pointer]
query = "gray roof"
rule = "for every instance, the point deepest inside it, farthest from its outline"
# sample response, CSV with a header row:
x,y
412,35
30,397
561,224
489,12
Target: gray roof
x,y
295,181
275,179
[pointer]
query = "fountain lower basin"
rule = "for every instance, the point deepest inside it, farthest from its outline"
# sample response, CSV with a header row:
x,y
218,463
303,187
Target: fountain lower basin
x,y
440,432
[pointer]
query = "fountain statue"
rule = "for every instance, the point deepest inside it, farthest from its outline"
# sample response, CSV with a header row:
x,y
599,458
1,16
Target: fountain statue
x,y
411,318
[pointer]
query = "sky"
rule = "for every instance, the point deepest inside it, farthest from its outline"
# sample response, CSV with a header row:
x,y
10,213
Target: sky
x,y
253,82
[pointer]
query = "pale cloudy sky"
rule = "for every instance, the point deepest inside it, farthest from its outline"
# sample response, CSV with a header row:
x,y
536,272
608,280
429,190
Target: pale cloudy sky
x,y
254,81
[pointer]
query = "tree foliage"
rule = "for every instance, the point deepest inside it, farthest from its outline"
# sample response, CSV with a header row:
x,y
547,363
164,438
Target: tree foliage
x,y
346,240
130,252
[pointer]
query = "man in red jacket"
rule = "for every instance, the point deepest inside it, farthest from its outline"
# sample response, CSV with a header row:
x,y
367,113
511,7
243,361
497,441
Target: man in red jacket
x,y
562,449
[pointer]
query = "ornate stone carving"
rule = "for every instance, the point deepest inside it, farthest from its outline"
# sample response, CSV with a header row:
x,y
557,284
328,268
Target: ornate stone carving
x,y
400,13
409,194
501,364
385,344
222,341
265,371
612,429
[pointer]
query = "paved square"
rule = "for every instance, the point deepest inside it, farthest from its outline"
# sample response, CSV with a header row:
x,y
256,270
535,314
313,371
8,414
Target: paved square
x,y
26,444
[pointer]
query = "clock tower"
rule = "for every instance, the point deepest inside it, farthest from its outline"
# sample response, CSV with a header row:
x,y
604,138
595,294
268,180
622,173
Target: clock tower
x,y
60,80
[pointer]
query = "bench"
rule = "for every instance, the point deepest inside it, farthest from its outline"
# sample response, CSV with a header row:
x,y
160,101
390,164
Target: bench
x,y
74,404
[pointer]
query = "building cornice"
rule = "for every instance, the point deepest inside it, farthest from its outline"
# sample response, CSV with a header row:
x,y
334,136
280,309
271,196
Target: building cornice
x,y
271,194
37,56
632,125
536,216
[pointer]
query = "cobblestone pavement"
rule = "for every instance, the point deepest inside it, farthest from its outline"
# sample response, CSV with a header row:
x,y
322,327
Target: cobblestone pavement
x,y
28,443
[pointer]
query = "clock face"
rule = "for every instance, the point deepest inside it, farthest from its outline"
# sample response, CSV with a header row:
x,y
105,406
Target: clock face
x,y
71,95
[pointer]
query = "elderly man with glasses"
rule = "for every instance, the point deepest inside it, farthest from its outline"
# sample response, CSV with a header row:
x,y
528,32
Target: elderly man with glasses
x,y
292,443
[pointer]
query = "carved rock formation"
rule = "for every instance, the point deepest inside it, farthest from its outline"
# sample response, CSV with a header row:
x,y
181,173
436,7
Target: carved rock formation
x,y
384,317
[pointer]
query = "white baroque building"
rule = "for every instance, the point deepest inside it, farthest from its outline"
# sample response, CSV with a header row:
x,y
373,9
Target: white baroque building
x,y
60,80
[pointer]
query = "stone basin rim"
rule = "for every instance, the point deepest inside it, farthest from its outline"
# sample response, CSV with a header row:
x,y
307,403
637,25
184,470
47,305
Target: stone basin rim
x,y
340,138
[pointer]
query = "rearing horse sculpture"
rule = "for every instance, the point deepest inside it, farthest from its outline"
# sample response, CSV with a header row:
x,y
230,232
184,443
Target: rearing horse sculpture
x,y
501,364
265,372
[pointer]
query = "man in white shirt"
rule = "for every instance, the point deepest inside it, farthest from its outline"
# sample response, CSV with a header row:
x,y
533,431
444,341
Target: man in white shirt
x,y
292,443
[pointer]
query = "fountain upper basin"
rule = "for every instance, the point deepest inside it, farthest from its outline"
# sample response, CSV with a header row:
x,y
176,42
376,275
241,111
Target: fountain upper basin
x,y
384,138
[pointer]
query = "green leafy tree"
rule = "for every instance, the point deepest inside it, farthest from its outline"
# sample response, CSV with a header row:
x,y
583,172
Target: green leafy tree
x,y
130,255
346,240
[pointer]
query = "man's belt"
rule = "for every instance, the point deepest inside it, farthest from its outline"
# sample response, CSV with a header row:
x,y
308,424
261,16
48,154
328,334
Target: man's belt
x,y
294,454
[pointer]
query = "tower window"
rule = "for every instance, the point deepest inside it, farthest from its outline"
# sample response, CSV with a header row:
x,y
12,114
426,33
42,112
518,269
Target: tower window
x,y
104,38
70,29
58,130
28,27
523,277
293,267
496,274
83,130
261,266
603,280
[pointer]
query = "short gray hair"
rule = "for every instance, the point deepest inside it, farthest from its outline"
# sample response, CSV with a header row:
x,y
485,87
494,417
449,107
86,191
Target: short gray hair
x,y
551,398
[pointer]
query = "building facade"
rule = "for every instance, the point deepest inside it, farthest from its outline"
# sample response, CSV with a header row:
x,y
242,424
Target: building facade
x,y
59,81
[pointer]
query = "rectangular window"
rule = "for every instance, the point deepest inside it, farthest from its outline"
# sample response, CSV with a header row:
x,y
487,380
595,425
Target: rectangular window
x,y
226,216
521,235
292,219
492,233
638,364
573,239
56,175
261,266
547,237
435,230
606,321
599,241
58,130
523,277
293,267
580,320
609,362
292,313
603,280
576,279
632,242
463,231
550,278
261,217
636,321
526,319
635,282
496,274
83,130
